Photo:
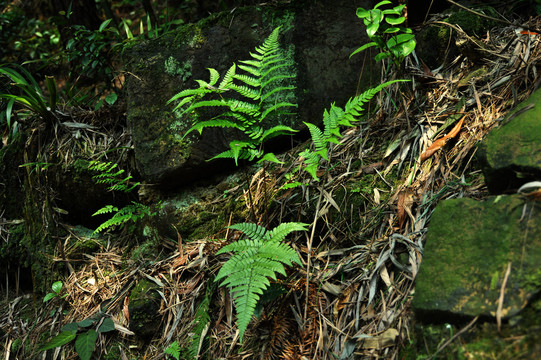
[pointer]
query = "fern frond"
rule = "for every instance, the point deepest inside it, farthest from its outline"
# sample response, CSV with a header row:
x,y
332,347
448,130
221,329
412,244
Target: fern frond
x,y
276,107
311,161
317,136
249,80
243,107
354,105
106,210
214,76
252,69
199,126
332,120
237,153
228,78
254,262
277,131
280,232
245,91
253,231
276,90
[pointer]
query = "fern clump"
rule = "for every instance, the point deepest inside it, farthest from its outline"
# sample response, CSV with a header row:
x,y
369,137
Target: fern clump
x,y
256,259
333,119
109,174
129,213
259,89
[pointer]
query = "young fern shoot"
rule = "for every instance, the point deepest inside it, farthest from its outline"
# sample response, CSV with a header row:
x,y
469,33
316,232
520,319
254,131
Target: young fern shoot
x,y
260,88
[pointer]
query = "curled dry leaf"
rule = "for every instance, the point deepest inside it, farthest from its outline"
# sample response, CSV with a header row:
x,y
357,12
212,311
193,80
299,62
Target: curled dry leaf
x,y
438,144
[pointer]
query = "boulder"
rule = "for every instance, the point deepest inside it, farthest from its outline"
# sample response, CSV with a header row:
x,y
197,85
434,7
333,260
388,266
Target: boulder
x,y
319,36
510,156
468,248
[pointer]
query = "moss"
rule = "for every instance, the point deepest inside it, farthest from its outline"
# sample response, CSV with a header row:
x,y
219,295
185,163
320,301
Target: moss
x,y
174,68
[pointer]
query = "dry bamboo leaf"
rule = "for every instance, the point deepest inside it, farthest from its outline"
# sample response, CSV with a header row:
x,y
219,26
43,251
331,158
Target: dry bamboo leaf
x,y
438,144
384,274
383,340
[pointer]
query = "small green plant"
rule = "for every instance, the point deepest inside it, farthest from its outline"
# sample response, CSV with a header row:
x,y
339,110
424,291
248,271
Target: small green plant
x,y
89,51
256,259
173,349
394,42
126,214
56,287
84,336
333,120
261,89
27,94
109,174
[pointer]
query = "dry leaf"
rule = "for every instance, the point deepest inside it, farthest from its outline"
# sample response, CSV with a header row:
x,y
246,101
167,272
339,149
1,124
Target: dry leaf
x,y
438,144
386,339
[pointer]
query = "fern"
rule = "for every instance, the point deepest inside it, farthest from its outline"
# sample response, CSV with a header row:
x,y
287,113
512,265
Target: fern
x,y
109,175
333,119
129,213
259,88
256,259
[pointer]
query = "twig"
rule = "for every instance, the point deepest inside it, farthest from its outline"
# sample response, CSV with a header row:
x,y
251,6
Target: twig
x,y
445,344
502,294
490,17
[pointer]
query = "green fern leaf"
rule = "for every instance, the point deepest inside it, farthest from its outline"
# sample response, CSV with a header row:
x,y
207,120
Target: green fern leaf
x,y
255,260
248,80
275,108
254,70
228,78
245,91
277,130
223,123
280,232
214,76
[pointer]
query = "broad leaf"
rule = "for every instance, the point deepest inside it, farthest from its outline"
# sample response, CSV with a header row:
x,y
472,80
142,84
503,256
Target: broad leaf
x,y
107,325
61,339
85,343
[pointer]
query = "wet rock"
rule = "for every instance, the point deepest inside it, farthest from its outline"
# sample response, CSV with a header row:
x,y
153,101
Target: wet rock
x,y
468,248
511,154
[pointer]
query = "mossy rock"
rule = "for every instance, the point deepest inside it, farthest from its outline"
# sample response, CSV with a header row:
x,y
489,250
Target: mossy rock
x,y
319,36
144,309
468,248
510,155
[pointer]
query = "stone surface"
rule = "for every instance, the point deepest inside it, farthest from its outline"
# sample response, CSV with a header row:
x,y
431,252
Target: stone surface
x,y
511,154
469,245
144,309
319,35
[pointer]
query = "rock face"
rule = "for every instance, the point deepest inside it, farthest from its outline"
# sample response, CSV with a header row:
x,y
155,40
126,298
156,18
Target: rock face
x,y
511,155
469,246
319,36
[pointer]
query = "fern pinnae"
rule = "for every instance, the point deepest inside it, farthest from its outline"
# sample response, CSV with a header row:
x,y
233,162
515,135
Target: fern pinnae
x,y
228,77
253,231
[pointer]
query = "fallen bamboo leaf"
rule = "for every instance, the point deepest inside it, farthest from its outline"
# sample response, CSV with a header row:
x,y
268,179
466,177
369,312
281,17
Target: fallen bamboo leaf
x,y
386,339
438,144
